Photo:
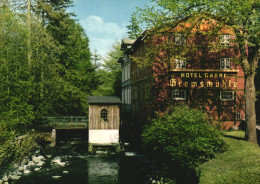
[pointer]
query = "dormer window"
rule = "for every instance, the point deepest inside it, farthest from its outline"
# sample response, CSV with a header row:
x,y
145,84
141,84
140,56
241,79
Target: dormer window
x,y
225,40
225,63
180,39
103,114
180,63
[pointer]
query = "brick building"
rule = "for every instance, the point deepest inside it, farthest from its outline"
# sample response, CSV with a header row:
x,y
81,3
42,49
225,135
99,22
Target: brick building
x,y
207,77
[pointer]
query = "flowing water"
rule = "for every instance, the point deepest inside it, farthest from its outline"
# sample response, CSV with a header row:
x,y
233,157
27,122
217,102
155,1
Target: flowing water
x,y
80,167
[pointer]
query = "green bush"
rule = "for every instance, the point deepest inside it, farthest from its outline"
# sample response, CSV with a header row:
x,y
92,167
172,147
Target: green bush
x,y
183,138
15,149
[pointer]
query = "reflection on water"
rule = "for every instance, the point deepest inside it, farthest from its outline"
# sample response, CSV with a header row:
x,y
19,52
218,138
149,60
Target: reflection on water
x,y
83,168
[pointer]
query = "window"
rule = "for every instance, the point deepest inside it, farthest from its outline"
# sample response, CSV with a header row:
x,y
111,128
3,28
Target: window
x,y
238,116
225,63
103,114
180,39
180,63
147,91
129,95
224,40
178,94
227,95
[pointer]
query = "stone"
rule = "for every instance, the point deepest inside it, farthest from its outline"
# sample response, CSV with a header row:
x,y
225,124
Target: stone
x,y
21,168
31,163
25,161
6,182
5,178
56,159
16,166
1,181
130,154
56,177
40,164
38,151
62,164
37,159
27,171
65,172
41,157
37,169
48,156
15,177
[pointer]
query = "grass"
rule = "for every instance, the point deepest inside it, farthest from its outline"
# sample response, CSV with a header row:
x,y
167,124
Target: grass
x,y
239,165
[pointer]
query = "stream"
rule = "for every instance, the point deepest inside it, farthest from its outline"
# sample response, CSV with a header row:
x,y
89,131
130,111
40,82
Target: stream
x,y
69,163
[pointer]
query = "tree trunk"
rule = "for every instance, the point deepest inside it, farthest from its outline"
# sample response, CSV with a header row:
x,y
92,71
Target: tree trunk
x,y
250,134
29,54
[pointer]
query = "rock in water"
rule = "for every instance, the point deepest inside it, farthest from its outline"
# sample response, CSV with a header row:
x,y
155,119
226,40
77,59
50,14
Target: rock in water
x,y
5,178
56,177
40,164
37,159
27,172
31,163
15,177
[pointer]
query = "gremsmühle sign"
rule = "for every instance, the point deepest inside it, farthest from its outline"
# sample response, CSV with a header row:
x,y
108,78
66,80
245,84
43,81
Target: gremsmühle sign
x,y
205,79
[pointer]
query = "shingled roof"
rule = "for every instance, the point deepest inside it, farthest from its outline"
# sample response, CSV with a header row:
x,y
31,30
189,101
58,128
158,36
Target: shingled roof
x,y
103,100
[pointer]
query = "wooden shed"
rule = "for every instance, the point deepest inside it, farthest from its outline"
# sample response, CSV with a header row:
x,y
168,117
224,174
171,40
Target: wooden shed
x,y
104,120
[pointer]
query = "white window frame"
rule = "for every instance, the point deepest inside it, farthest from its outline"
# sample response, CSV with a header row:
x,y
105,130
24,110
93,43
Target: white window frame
x,y
180,63
225,63
178,94
225,40
180,39
225,94
238,116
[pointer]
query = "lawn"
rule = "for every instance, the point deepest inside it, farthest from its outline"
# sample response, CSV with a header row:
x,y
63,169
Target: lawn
x,y
239,165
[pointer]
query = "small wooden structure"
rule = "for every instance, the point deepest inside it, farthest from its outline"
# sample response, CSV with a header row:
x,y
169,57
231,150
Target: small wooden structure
x,y
104,120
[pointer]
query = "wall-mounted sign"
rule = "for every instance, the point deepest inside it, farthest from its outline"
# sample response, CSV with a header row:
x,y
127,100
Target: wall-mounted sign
x,y
202,75
203,84
202,79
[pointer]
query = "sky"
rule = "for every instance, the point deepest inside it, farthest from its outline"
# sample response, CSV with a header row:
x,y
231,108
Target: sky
x,y
105,21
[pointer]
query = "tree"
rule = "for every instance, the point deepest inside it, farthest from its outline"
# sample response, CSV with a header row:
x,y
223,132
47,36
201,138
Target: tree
x,y
110,73
23,84
76,73
134,30
182,139
241,16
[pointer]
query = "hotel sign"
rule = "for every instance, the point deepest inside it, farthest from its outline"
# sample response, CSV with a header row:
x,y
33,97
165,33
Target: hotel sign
x,y
202,80
202,75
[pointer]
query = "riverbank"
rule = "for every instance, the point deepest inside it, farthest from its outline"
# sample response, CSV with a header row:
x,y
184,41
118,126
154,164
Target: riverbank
x,y
16,151
69,162
240,164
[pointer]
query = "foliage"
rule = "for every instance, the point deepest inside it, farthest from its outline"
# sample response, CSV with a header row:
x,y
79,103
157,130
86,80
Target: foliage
x,y
15,149
180,141
240,164
134,29
110,73
45,70
45,62
183,137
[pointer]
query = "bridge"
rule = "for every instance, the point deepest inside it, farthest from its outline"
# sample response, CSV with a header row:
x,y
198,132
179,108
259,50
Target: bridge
x,y
65,122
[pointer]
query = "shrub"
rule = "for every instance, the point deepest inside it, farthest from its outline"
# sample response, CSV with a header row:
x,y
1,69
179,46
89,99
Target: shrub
x,y
183,137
